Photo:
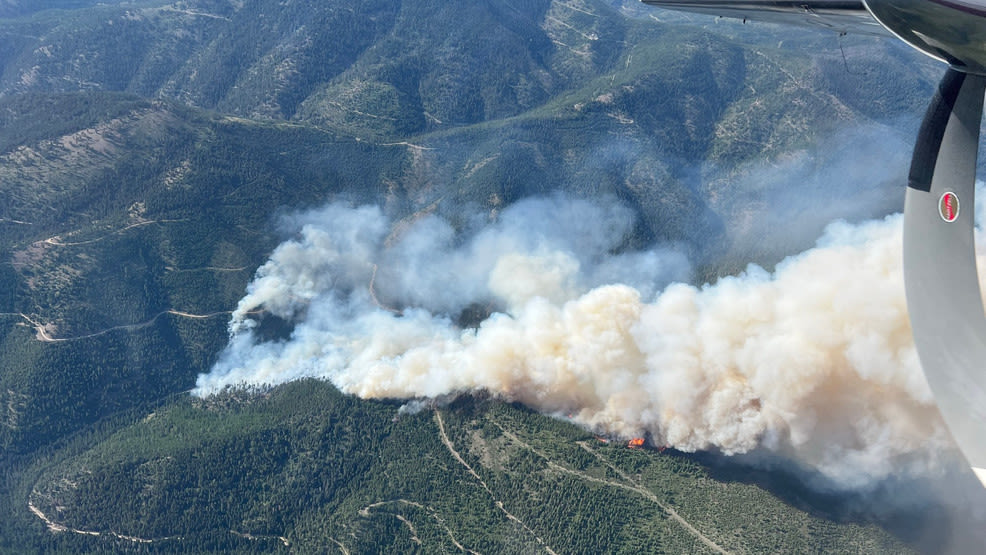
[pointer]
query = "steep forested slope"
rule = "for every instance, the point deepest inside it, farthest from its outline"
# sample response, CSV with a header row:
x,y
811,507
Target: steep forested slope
x,y
306,469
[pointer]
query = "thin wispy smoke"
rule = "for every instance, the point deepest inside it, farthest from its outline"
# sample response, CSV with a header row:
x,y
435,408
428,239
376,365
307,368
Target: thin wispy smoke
x,y
813,361
781,205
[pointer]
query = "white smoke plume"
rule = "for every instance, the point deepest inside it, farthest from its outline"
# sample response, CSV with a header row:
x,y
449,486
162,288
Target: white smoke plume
x,y
813,361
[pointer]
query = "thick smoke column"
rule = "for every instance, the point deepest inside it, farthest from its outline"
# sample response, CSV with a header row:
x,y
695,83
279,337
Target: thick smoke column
x,y
813,361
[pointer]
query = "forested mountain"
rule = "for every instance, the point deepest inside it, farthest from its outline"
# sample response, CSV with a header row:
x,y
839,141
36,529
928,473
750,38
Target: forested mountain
x,y
307,469
149,148
402,68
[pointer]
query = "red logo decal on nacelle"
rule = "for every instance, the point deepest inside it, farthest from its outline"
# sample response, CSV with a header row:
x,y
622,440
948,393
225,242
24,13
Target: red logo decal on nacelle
x,y
948,207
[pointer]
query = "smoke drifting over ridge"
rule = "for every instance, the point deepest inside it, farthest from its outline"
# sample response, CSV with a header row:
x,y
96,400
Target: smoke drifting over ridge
x,y
813,361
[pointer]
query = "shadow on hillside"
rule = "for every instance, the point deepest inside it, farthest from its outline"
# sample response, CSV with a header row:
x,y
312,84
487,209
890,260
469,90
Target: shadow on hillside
x,y
945,514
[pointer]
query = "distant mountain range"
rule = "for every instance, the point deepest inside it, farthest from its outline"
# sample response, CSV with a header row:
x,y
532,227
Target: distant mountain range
x,y
148,147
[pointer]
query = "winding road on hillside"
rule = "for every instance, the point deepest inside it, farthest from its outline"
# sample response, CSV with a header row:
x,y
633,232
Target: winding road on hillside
x,y
432,512
58,242
44,335
632,485
497,502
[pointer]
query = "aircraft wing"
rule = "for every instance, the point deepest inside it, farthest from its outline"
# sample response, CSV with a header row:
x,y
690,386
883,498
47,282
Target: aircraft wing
x,y
837,15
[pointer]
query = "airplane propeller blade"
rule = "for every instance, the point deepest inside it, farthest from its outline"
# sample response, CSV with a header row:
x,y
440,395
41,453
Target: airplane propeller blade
x,y
941,281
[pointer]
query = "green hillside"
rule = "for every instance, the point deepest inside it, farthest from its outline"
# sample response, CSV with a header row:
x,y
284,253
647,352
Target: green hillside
x,y
303,468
